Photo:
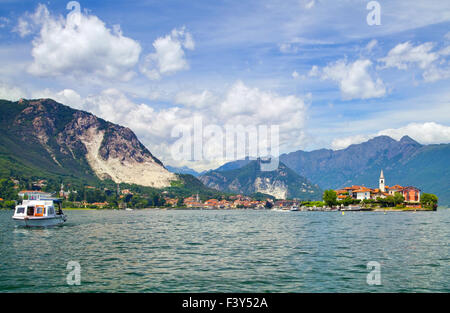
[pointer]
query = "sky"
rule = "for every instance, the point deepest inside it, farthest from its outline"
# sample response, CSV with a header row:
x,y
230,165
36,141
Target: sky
x,y
327,73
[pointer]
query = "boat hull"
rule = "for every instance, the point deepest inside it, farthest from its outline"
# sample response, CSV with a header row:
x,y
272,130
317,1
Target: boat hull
x,y
40,222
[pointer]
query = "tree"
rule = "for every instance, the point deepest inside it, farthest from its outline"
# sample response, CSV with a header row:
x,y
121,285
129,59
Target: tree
x,y
398,198
347,201
330,197
158,200
9,204
429,200
7,190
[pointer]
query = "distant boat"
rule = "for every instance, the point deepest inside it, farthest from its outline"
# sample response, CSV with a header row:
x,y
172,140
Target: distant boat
x,y
294,208
351,208
39,213
277,209
128,209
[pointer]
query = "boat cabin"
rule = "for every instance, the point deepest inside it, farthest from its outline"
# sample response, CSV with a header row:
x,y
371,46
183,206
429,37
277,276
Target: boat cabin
x,y
39,208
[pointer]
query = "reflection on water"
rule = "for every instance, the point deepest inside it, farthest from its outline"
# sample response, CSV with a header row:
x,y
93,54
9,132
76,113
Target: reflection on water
x,y
229,251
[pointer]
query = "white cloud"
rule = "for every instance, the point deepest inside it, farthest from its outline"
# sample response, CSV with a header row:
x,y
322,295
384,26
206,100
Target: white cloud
x,y
342,143
295,43
435,73
78,45
447,36
240,105
405,54
444,51
424,133
371,45
354,79
4,21
169,56
434,65
314,72
197,100
67,96
295,74
11,93
310,4
251,106
288,48
31,22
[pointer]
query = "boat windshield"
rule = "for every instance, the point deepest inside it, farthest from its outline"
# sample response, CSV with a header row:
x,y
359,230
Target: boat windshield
x,y
20,210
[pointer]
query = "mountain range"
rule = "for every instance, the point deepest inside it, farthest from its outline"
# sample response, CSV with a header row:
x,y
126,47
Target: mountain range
x,y
43,138
404,162
281,183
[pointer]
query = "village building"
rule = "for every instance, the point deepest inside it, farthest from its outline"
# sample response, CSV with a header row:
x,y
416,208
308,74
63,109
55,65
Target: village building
x,y
38,185
224,204
361,193
34,194
211,203
410,194
62,193
100,205
192,202
171,201
392,190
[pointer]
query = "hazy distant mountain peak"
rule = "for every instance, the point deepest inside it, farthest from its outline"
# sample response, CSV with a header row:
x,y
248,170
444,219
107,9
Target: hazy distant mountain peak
x,y
408,140
281,183
182,170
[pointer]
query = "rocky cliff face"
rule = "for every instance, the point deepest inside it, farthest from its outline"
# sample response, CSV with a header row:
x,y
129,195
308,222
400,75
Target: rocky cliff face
x,y
281,183
73,137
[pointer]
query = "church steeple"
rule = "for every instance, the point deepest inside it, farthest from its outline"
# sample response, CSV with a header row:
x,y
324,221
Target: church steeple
x,y
382,186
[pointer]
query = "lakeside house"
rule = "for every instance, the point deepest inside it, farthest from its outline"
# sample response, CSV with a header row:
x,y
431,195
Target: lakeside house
x,y
171,201
411,194
100,205
34,194
192,202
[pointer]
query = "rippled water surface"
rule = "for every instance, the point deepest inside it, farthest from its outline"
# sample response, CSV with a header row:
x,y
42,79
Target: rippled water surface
x,y
229,251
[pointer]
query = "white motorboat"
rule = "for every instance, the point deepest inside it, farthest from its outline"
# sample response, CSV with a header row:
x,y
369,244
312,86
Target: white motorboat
x,y
278,209
294,208
39,213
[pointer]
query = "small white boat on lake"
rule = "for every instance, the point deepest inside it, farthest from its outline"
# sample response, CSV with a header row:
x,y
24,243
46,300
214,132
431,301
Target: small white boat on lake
x,y
39,213
278,209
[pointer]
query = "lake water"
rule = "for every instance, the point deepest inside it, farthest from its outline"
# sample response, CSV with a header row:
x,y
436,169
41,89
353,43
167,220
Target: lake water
x,y
229,251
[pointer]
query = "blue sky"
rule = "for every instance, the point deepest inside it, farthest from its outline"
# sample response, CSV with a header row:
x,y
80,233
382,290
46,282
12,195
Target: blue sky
x,y
316,68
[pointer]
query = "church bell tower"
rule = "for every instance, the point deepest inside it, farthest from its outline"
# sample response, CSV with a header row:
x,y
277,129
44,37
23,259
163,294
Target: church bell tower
x,y
382,186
